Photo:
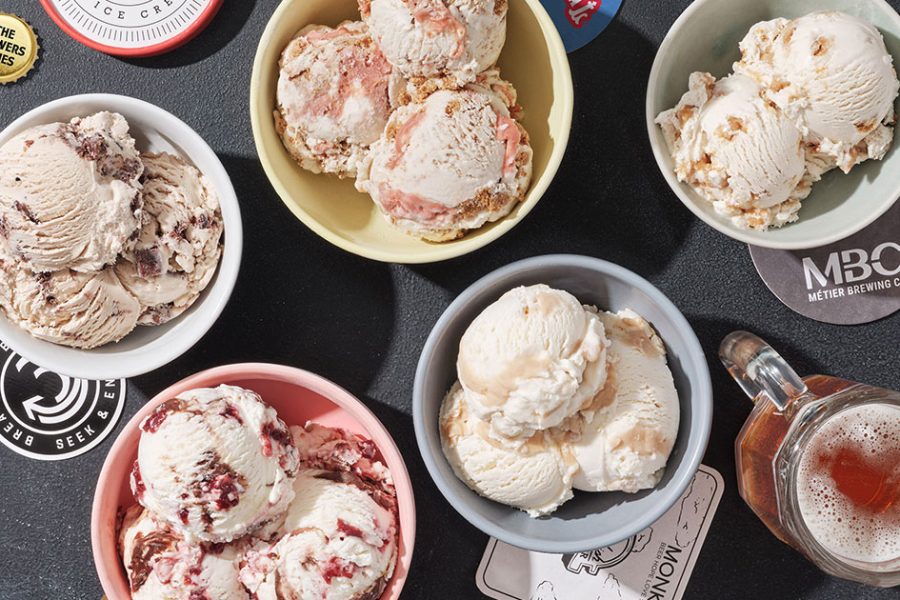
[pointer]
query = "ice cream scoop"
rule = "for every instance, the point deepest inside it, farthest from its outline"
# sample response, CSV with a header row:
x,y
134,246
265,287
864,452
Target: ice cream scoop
x,y
161,565
532,360
832,75
81,310
450,163
70,193
216,464
627,444
338,543
352,456
335,93
454,39
738,151
177,249
536,477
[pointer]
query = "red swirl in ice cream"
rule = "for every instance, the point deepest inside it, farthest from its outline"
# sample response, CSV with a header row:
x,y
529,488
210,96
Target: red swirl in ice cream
x,y
450,163
335,93
454,39
211,476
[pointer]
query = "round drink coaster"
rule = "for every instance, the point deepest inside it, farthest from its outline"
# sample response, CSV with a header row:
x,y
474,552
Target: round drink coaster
x,y
132,27
854,281
47,416
580,21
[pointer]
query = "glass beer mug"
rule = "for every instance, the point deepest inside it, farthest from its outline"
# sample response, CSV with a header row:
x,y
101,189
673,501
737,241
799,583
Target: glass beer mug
x,y
818,460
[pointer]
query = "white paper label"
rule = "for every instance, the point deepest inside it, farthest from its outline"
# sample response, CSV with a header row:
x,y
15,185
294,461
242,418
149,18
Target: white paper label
x,y
655,564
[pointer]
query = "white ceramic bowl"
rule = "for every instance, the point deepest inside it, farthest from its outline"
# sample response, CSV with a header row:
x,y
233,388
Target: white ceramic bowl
x,y
146,348
705,38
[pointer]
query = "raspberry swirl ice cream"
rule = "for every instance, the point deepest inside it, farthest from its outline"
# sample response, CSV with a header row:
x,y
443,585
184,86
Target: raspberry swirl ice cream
x,y
339,537
161,565
451,163
216,464
337,543
335,93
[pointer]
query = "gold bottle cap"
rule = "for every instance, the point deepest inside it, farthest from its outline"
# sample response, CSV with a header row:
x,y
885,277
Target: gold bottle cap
x,y
18,48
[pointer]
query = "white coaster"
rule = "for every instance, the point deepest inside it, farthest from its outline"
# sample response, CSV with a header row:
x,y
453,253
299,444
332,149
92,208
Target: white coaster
x,y
655,564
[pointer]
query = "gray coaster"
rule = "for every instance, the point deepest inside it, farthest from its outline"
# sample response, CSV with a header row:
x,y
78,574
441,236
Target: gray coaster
x,y
854,281
47,416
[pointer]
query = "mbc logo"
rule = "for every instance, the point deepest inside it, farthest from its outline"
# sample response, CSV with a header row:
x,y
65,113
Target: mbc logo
x,y
851,266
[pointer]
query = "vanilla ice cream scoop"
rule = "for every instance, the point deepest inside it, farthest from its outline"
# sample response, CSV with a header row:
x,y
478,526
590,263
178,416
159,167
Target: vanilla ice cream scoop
x,y
738,151
832,75
532,360
177,250
337,543
216,464
335,93
80,310
453,39
69,193
161,565
536,477
449,164
627,444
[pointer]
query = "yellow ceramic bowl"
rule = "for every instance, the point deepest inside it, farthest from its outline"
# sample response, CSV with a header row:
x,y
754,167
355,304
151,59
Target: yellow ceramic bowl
x,y
533,59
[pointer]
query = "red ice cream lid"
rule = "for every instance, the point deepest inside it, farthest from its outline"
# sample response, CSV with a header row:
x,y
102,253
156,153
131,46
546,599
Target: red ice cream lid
x,y
132,27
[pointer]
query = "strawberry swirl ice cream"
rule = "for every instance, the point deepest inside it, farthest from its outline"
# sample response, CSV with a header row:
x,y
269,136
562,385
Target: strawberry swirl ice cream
x,y
335,93
452,39
450,163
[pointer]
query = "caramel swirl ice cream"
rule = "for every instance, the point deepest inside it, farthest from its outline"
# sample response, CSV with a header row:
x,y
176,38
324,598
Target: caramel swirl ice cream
x,y
554,396
626,445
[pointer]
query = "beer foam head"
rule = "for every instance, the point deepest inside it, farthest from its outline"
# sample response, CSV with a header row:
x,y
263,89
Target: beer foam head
x,y
847,484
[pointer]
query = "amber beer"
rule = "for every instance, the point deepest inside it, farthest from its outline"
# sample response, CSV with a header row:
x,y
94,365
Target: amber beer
x,y
819,463
848,481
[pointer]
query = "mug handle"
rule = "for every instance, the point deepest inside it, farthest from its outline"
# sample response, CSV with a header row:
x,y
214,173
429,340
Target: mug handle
x,y
760,371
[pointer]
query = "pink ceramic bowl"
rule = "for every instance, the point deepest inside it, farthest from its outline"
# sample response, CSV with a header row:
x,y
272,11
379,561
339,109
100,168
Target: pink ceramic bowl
x,y
298,396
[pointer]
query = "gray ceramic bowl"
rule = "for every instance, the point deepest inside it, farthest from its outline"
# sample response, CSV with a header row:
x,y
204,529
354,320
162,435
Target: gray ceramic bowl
x,y
590,520
705,38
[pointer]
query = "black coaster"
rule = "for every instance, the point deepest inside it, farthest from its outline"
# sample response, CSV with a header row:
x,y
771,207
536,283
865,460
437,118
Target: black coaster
x,y
47,416
854,281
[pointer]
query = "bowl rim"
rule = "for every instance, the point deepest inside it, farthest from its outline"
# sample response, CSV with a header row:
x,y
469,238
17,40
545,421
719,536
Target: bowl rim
x,y
430,252
318,384
661,153
695,446
89,365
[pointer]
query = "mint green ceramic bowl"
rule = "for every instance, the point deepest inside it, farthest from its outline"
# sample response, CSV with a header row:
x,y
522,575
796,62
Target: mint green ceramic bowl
x,y
705,38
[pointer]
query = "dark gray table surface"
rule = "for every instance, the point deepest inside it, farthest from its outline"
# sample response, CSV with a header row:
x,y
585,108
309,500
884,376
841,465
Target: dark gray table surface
x,y
302,302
